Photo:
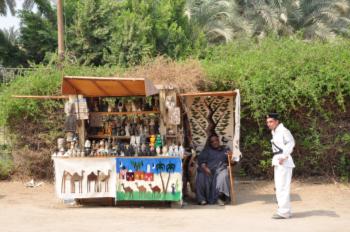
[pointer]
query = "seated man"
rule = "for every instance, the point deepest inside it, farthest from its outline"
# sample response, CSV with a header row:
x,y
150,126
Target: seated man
x,y
212,183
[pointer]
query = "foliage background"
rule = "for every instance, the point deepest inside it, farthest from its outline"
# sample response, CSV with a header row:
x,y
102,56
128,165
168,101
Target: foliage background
x,y
284,55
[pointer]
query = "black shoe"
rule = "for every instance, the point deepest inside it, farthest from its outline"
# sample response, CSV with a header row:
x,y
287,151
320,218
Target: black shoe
x,y
203,202
220,202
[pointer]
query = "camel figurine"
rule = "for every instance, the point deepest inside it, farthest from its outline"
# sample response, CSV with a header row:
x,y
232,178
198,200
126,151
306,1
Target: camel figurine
x,y
103,178
92,177
64,178
155,190
128,190
77,178
142,189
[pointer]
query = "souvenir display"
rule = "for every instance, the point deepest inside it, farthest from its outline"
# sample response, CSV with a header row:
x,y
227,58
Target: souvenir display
x,y
125,137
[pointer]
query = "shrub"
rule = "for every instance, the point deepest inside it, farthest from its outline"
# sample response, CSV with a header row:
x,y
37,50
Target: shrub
x,y
6,163
33,126
307,83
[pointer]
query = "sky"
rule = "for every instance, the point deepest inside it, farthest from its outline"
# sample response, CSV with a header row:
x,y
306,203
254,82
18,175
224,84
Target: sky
x,y
9,20
13,21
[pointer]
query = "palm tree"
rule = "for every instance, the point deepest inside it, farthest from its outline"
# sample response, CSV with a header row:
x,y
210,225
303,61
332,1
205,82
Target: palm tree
x,y
7,4
219,19
160,168
268,16
316,19
323,19
170,167
44,8
11,35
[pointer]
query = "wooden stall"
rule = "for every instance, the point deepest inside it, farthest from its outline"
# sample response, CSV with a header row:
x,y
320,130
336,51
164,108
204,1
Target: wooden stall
x,y
123,140
126,139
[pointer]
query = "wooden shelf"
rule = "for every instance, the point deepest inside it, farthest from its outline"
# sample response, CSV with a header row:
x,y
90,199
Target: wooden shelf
x,y
110,136
113,157
125,113
107,136
171,136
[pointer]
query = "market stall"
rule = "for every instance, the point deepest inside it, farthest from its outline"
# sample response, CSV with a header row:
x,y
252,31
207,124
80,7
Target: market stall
x,y
123,140
126,138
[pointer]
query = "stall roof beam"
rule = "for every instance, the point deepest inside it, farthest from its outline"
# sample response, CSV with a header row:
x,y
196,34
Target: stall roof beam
x,y
221,93
107,86
40,97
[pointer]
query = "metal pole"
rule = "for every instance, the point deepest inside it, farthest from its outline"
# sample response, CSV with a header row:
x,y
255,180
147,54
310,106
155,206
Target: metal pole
x,y
60,30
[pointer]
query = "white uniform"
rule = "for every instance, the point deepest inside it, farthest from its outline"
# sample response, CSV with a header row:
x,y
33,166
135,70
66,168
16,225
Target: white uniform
x,y
282,147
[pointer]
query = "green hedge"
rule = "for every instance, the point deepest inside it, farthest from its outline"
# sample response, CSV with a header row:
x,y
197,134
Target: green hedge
x,y
307,83
32,126
6,162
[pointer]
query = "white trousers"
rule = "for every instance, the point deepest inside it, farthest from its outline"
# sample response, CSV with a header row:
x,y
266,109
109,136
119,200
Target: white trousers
x,y
283,178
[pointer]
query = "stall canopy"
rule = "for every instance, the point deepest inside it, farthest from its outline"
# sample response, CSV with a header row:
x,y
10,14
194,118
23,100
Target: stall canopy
x,y
107,86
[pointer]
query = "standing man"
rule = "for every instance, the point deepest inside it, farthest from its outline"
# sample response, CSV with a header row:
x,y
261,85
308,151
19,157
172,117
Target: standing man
x,y
282,161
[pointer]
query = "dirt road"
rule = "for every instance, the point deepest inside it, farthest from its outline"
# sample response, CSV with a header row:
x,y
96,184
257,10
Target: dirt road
x,y
316,207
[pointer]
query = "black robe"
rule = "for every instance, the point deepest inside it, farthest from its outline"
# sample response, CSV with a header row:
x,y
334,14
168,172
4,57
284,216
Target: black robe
x,y
208,188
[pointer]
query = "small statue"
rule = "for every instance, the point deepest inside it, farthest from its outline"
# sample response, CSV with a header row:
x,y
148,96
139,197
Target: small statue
x,y
101,148
137,140
158,142
171,151
108,147
176,150
155,103
143,150
164,150
142,139
133,106
139,105
95,106
133,140
146,130
60,146
149,150
127,130
152,140
181,151
71,150
128,106
158,151
152,124
120,105
87,147
93,148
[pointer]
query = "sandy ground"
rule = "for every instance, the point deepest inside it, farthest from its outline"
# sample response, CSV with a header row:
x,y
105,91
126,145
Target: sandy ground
x,y
316,207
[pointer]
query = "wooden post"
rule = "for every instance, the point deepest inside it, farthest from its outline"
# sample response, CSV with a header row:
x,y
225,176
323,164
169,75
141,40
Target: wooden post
x,y
162,95
81,132
232,192
60,30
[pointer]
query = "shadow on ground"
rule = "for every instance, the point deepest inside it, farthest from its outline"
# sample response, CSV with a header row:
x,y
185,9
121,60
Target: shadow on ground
x,y
312,213
266,198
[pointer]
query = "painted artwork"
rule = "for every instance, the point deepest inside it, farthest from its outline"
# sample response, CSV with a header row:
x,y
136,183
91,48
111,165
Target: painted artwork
x,y
85,178
149,179
211,114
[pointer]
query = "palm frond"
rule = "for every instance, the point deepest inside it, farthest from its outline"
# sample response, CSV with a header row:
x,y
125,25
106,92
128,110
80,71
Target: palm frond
x,y
7,4
218,19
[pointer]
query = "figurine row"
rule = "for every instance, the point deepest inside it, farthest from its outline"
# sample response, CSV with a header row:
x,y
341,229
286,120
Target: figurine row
x,y
123,126
124,104
118,148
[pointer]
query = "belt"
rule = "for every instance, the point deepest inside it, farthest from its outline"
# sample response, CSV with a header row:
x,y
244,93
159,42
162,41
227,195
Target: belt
x,y
279,150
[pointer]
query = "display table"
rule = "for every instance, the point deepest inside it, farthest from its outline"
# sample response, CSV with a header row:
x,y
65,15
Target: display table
x,y
122,178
